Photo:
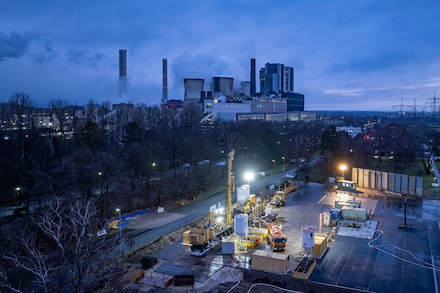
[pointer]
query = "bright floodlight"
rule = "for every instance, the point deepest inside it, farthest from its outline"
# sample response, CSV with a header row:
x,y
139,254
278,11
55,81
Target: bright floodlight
x,y
118,209
248,176
343,168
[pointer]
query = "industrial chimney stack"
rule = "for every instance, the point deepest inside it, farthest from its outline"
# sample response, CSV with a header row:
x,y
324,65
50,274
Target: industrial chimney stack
x,y
164,81
122,73
253,81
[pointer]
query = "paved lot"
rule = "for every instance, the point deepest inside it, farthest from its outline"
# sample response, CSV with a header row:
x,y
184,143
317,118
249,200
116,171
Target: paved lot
x,y
404,260
398,261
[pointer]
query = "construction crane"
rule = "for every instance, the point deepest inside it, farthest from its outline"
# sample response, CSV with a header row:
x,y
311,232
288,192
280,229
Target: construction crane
x,y
229,189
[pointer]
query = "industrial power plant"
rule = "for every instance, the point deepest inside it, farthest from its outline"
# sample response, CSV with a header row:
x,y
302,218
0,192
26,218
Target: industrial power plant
x,y
220,99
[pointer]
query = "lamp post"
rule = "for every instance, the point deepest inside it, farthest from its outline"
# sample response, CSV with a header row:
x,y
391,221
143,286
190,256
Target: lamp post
x,y
273,161
284,160
343,168
120,229
100,182
18,194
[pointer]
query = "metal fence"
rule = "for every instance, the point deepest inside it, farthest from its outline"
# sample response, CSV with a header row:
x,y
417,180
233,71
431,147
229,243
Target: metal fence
x,y
389,182
150,236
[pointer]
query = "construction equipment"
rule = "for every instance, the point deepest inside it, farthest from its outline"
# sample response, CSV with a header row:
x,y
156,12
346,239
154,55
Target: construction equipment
x,y
254,206
229,189
289,186
278,198
270,218
276,237
200,238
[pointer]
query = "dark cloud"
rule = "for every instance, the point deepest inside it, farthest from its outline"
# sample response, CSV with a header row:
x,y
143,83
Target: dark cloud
x,y
34,44
81,57
15,45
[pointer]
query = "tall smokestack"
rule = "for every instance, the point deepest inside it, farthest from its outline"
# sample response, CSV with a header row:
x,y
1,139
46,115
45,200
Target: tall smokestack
x,y
253,81
122,73
164,81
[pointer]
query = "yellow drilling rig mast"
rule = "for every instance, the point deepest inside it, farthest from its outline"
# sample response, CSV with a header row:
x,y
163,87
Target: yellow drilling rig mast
x,y
229,189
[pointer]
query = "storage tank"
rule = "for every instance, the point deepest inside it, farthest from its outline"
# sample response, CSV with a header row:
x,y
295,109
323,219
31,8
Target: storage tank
x,y
326,218
241,195
247,191
308,237
241,225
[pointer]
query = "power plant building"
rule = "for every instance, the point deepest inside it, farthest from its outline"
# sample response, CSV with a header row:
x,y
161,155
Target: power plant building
x,y
277,102
276,78
263,109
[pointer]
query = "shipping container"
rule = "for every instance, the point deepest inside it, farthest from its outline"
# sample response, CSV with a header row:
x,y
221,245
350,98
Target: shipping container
x,y
270,262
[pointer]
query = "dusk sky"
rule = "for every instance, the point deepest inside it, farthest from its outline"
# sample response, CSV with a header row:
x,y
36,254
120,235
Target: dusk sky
x,y
347,55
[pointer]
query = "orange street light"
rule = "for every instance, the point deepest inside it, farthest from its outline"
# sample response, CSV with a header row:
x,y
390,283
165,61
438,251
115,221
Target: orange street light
x,y
343,168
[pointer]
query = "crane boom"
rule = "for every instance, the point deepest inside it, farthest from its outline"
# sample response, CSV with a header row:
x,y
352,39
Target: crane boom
x,y
229,189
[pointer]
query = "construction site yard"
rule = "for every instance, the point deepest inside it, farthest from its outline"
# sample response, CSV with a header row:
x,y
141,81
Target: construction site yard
x,y
353,261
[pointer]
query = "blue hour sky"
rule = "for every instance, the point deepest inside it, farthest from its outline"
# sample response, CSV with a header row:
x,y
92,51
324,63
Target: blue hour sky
x,y
347,55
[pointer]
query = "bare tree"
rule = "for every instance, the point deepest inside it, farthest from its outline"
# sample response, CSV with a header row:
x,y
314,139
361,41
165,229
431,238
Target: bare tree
x,y
21,106
104,113
58,111
73,226
33,255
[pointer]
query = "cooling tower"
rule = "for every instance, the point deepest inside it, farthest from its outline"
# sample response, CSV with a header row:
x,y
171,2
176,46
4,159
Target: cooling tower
x,y
222,85
193,89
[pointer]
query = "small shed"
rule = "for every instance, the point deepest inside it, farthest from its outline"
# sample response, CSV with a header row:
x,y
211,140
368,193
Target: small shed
x,y
346,185
269,261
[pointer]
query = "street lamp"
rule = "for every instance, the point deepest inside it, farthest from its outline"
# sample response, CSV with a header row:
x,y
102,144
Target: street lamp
x,y
273,161
248,176
120,229
18,194
284,160
100,181
343,168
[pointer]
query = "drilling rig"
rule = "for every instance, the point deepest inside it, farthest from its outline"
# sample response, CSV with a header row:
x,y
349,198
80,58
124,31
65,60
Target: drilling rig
x,y
201,238
229,189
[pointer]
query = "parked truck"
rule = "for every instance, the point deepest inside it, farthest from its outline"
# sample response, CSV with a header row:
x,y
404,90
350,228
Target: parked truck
x,y
276,237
